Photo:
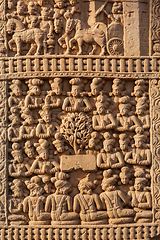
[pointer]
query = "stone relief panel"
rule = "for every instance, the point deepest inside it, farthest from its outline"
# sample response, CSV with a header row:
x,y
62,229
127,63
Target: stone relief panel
x,y
79,151
61,27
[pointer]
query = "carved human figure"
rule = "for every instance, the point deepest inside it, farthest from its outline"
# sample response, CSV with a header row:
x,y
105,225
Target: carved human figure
x,y
33,99
15,208
74,7
20,13
142,111
18,167
96,86
141,201
124,141
108,158
93,144
60,203
34,204
27,130
76,103
46,25
48,185
116,14
42,164
118,90
103,120
53,97
30,152
58,22
88,204
46,128
14,128
140,89
140,154
33,17
125,121
59,144
15,98
115,201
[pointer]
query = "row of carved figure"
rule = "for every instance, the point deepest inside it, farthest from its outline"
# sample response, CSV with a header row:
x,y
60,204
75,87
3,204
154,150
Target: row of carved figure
x,y
113,206
47,161
38,25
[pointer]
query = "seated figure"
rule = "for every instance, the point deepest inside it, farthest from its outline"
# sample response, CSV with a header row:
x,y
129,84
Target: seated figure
x,y
88,204
114,201
60,203
34,203
141,201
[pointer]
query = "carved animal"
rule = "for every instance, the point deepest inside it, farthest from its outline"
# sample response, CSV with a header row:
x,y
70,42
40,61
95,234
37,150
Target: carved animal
x,y
36,37
93,36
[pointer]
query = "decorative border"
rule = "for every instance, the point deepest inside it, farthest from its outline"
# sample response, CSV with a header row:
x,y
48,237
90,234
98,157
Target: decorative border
x,y
81,66
133,232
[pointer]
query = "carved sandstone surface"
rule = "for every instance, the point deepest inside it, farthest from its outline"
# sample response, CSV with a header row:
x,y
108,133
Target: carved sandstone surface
x,y
79,119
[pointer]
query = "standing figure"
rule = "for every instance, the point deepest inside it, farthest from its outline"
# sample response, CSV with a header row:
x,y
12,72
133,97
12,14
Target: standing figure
x,y
35,202
114,201
141,201
103,120
108,158
16,95
33,100
125,121
54,98
14,128
18,167
77,102
27,130
139,155
142,111
60,203
88,204
42,165
46,128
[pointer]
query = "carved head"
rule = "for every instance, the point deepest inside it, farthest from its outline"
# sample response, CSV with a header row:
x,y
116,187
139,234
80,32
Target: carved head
x,y
56,86
21,6
17,187
124,105
60,3
29,149
77,86
42,149
117,8
58,22
59,142
118,87
109,180
102,104
17,153
16,87
86,185
140,137
45,114
26,114
32,8
72,2
125,175
93,141
140,184
33,85
96,86
63,187
142,105
109,142
124,141
140,88
34,186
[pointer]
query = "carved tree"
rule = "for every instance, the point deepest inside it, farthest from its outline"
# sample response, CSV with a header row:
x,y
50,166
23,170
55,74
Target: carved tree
x,y
76,129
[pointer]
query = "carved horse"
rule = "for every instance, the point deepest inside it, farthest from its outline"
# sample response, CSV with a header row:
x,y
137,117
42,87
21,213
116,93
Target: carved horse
x,y
93,36
36,37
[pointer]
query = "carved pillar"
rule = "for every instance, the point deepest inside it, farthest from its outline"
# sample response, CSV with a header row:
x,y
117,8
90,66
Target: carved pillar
x,y
136,25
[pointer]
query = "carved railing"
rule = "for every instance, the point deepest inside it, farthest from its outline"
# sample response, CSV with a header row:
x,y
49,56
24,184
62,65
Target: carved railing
x,y
85,66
